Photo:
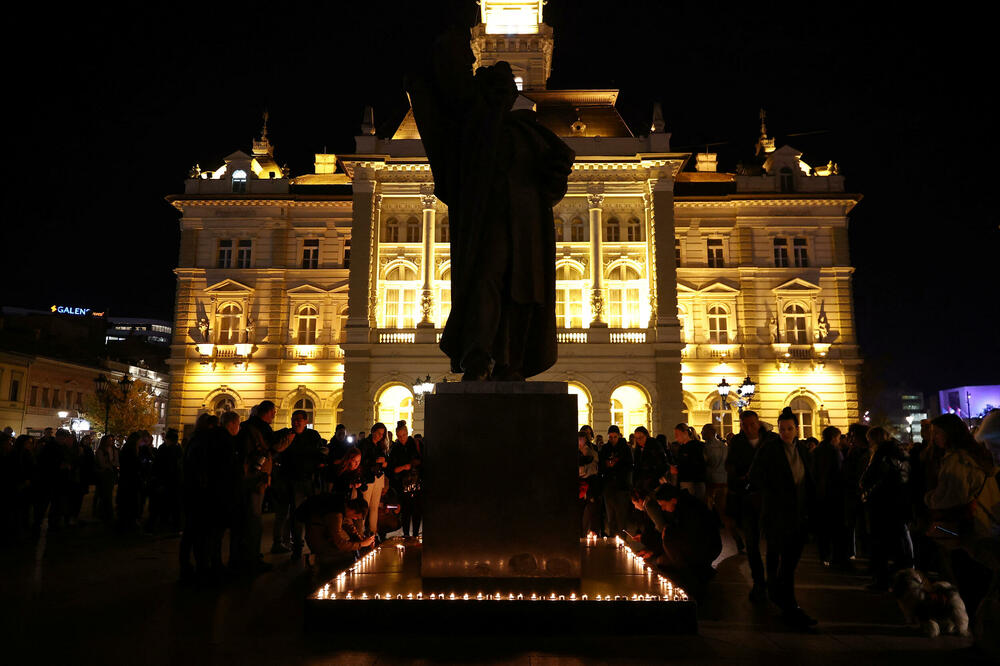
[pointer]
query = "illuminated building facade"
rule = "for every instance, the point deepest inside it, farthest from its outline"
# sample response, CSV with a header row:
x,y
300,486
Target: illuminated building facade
x,y
328,291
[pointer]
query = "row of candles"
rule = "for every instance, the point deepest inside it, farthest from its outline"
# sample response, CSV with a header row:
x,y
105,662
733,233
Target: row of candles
x,y
669,592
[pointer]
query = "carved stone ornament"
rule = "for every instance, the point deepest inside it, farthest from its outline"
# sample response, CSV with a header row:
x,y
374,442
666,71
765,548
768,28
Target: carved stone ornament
x,y
426,303
595,199
597,304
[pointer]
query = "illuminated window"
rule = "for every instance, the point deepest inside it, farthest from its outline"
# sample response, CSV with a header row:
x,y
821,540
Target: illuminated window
x,y
306,405
307,319
444,298
413,230
781,252
310,253
222,404
624,297
243,253
400,297
392,230
804,409
577,234
715,258
722,417
230,324
559,229
239,181
613,232
225,256
795,325
569,296
395,403
633,231
629,409
801,249
718,325
582,404
444,231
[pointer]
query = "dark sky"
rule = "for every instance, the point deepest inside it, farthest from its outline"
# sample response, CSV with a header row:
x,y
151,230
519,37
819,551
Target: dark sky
x,y
114,104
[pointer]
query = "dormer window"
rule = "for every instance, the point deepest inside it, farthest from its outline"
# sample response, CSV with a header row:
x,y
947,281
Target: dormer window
x,y
239,181
786,181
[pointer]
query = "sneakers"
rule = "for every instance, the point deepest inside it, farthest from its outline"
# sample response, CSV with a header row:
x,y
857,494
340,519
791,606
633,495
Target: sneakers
x,y
279,548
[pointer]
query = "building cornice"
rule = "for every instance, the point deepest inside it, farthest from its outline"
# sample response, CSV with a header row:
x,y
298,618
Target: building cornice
x,y
294,201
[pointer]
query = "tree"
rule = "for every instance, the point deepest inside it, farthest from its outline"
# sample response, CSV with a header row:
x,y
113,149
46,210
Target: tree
x,y
137,412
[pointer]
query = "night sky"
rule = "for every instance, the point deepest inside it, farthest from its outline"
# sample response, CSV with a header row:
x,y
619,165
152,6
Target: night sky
x,y
111,106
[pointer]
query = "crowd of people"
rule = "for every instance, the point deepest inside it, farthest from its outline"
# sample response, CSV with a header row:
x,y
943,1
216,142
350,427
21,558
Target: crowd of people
x,y
864,495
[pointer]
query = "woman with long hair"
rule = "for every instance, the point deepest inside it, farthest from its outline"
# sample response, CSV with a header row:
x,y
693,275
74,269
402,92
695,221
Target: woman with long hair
x,y
884,489
374,460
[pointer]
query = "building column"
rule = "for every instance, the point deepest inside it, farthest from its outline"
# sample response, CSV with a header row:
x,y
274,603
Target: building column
x,y
429,202
595,200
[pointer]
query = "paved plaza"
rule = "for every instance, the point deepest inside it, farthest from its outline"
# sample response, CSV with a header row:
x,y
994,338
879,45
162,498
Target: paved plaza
x,y
84,596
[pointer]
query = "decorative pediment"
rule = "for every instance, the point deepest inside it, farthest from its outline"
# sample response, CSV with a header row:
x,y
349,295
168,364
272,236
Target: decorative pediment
x,y
228,286
685,287
797,286
719,287
339,288
238,156
305,290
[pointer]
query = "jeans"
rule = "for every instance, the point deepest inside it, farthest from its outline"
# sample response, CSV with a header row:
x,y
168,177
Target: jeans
x,y
373,495
750,526
616,510
291,495
783,555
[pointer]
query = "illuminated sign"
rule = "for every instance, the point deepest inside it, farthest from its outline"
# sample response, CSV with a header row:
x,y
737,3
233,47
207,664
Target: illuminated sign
x,y
67,310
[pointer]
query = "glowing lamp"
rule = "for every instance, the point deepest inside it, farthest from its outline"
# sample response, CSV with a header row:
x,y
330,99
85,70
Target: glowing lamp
x,y
63,414
748,387
723,387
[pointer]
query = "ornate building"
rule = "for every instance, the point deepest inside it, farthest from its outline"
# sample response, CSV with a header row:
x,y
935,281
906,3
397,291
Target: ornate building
x,y
328,291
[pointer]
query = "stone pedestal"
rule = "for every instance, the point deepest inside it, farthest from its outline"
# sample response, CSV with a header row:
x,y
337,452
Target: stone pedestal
x,y
500,481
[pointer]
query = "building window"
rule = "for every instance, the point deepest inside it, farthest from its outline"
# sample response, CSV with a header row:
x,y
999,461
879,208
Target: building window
x,y
786,180
15,388
347,253
56,401
222,404
722,417
682,321
629,408
781,252
444,231
633,231
801,248
715,259
795,325
239,181
559,229
307,319
400,297
613,231
576,231
230,320
243,251
306,405
392,231
677,252
33,397
412,230
159,328
718,325
625,288
569,296
225,259
310,253
394,404
805,410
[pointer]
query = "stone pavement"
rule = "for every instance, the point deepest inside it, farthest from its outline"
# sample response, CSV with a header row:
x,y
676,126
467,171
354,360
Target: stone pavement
x,y
86,596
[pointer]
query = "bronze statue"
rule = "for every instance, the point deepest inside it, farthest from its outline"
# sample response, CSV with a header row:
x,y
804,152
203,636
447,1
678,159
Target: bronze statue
x,y
500,172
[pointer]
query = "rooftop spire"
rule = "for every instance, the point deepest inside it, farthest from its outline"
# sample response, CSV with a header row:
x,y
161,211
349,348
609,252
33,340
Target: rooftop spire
x,y
764,144
263,145
368,122
658,124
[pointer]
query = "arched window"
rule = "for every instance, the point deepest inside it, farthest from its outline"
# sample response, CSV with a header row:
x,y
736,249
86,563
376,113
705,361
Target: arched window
x,y
682,321
796,331
613,231
722,416
239,181
577,232
583,416
413,230
444,298
392,230
804,408
559,229
624,296
394,403
400,298
230,324
443,231
222,404
629,409
306,405
569,296
718,325
633,231
307,318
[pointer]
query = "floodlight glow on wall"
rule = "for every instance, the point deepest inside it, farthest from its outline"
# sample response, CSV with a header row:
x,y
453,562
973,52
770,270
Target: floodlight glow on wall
x,y
509,17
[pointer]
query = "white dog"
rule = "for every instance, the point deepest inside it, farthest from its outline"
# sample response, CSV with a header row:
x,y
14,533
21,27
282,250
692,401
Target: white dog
x,y
937,607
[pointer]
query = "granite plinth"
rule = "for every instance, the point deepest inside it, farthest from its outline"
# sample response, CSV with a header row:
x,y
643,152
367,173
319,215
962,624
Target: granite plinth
x,y
500,481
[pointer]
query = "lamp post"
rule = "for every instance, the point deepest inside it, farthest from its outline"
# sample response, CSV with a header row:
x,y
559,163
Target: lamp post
x,y
423,387
105,393
744,393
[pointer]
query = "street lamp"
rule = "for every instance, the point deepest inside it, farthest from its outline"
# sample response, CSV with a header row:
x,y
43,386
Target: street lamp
x,y
108,397
422,387
744,393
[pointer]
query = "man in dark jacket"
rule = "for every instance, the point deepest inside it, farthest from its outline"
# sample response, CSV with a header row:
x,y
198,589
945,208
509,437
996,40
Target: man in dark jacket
x,y
616,472
690,462
691,539
828,472
291,482
780,473
742,503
